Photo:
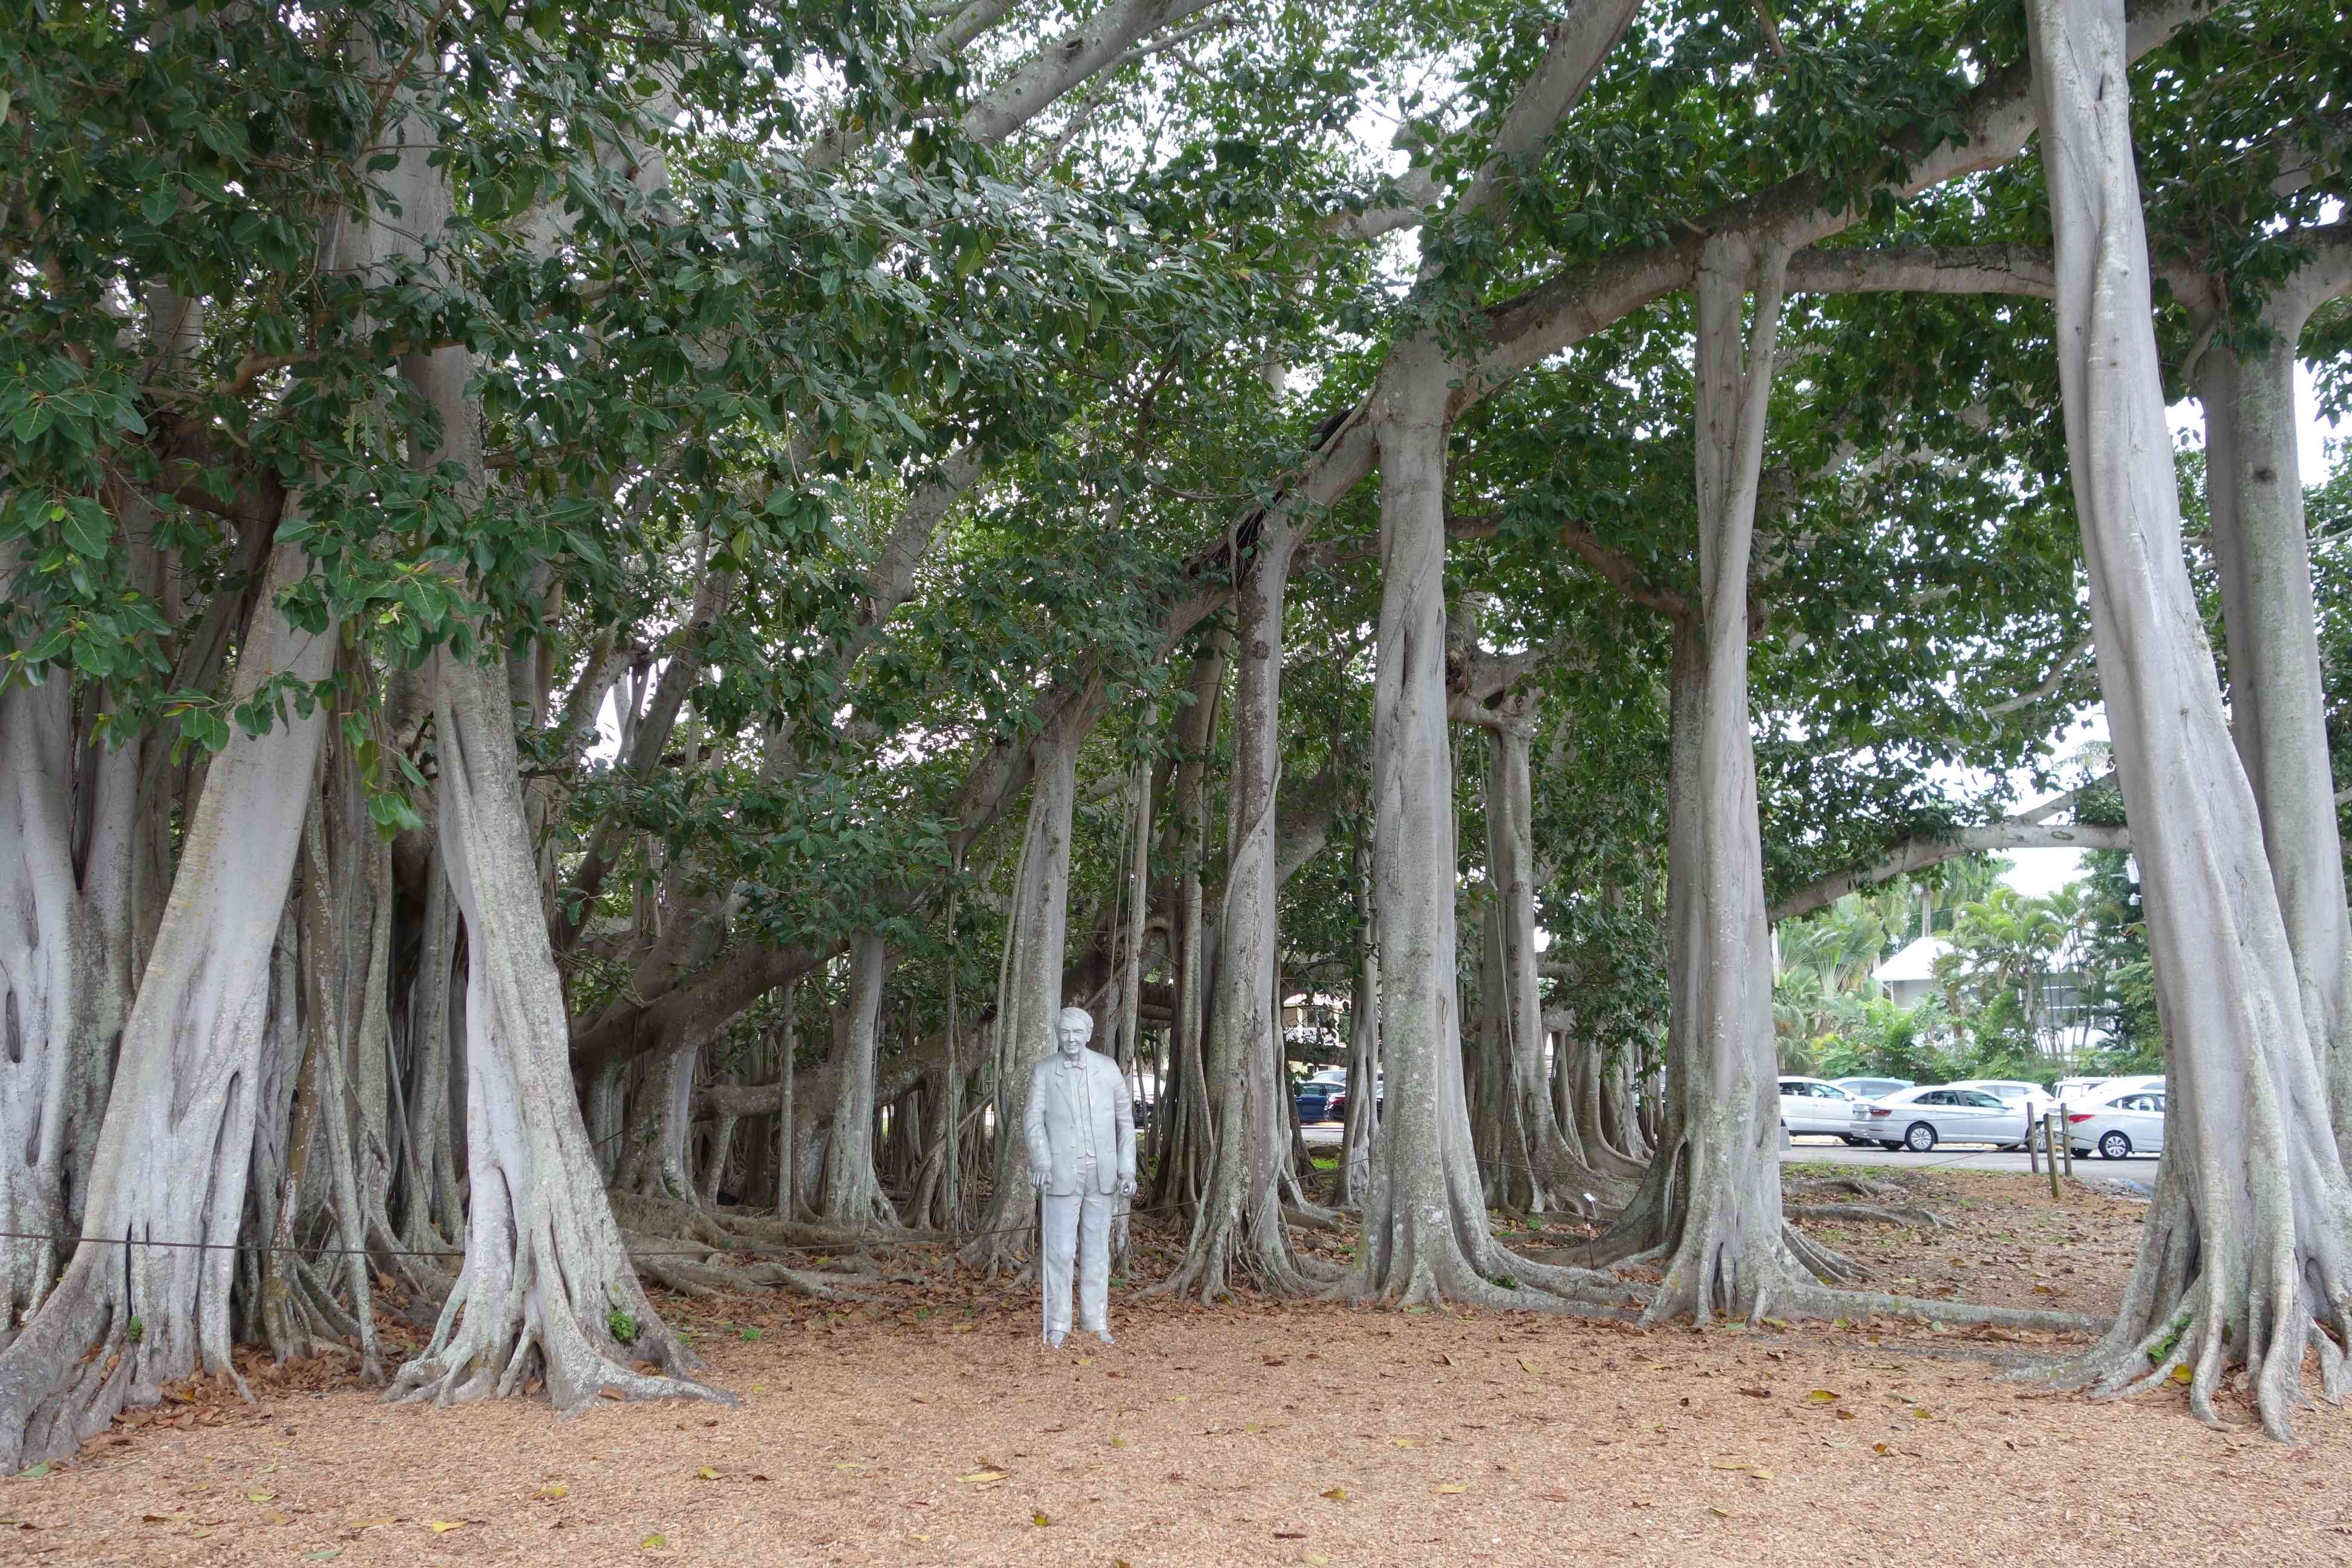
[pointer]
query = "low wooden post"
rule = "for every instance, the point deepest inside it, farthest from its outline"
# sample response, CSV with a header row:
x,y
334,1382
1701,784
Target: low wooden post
x,y
2050,1134
2032,1149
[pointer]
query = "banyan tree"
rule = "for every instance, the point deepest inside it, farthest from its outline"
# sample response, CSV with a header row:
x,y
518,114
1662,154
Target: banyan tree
x,y
608,610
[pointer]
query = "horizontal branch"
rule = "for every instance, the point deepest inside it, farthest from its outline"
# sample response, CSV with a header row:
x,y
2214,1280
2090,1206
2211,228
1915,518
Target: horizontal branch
x,y
2020,270
1621,573
1917,854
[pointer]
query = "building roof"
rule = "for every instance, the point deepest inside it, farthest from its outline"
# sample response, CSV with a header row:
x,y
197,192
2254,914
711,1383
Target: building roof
x,y
1916,962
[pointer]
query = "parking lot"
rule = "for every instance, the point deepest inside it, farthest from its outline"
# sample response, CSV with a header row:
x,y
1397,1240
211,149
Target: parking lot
x,y
1949,1156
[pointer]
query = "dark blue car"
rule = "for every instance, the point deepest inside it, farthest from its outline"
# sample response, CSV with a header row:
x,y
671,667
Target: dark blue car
x,y
1322,1097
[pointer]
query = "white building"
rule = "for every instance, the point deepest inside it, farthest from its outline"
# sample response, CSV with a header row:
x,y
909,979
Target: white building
x,y
1910,974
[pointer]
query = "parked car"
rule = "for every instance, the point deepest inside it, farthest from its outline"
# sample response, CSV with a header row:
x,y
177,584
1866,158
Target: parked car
x,y
2072,1089
1816,1105
2137,1083
2027,1100
1337,1110
2127,1122
1871,1088
1919,1119
1314,1096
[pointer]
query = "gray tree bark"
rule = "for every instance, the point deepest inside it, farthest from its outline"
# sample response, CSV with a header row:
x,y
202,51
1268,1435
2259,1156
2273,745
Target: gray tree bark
x,y
1361,1130
1184,1130
546,1291
1031,991
1559,1172
1426,1238
2277,712
173,1151
2245,1254
1238,1222
853,1196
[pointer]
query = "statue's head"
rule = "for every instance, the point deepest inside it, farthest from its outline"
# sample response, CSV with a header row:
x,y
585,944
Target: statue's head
x,y
1073,1027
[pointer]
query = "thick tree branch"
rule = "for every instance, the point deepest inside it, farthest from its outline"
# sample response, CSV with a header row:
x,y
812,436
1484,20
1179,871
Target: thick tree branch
x,y
1622,574
2019,269
1917,854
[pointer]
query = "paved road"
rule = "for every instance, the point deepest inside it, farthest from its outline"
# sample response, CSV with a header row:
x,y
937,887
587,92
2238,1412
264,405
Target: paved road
x,y
1830,1151
1956,1156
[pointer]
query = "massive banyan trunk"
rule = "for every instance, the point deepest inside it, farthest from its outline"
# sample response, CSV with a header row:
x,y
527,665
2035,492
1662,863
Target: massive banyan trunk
x,y
2277,712
62,981
1239,1219
171,1159
2248,1244
546,1289
1031,991
853,1196
1425,1237
1708,1210
1710,1205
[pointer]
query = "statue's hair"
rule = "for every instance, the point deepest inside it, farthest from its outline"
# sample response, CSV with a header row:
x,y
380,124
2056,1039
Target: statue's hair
x,y
1080,1014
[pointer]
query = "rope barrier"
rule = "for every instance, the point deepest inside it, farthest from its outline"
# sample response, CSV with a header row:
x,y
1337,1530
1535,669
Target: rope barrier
x,y
127,1241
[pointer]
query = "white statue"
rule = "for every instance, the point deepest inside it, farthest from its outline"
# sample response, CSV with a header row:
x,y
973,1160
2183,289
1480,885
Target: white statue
x,y
1080,1129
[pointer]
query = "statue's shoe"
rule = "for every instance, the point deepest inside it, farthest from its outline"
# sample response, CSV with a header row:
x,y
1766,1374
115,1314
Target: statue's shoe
x,y
1104,1335
1053,1342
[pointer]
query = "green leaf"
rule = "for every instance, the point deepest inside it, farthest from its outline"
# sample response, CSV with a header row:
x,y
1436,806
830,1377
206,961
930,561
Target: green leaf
x,y
88,530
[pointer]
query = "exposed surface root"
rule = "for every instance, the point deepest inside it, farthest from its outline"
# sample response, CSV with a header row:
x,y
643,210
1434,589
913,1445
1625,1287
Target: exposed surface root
x,y
1869,1214
1851,1186
707,1279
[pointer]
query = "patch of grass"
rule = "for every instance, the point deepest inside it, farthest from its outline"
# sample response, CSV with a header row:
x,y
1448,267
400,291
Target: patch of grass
x,y
624,1325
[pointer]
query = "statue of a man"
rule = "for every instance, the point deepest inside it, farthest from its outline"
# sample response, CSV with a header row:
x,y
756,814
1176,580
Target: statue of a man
x,y
1080,1129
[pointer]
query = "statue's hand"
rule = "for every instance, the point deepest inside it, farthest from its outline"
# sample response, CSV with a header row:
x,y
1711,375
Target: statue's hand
x,y
1038,1179
1126,1186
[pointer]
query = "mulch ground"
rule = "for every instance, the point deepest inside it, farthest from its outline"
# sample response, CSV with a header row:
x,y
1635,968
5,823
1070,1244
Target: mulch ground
x,y
936,1430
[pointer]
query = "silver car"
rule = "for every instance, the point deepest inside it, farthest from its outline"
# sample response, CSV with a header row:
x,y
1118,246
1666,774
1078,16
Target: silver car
x,y
2122,1124
1871,1088
1919,1119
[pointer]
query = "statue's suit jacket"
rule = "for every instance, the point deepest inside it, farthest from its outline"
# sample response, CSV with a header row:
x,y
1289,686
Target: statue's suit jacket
x,y
1071,1112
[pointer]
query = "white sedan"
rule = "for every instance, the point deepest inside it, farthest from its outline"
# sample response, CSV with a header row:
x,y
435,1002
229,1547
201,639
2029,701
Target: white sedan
x,y
2025,1098
2124,1124
1919,1119
1816,1105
